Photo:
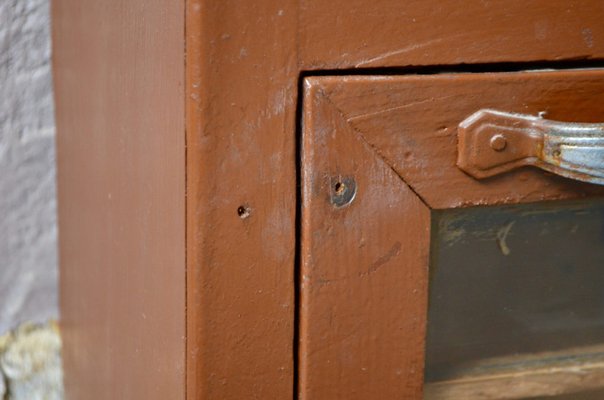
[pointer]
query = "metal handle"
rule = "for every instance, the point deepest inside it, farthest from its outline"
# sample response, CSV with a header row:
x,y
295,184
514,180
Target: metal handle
x,y
493,142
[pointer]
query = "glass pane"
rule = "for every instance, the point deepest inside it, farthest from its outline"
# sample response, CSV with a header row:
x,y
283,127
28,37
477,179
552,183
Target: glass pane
x,y
515,287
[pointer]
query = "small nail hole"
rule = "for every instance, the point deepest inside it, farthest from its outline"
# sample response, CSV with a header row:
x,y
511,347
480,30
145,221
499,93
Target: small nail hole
x,y
339,187
243,212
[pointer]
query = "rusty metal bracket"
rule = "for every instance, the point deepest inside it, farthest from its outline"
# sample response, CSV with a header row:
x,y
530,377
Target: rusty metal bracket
x,y
493,142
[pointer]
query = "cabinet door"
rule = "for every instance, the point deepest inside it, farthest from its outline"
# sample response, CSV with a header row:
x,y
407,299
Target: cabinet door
x,y
422,280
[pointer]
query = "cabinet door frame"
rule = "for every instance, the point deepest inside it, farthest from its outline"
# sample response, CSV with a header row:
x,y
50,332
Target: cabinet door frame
x,y
244,62
392,140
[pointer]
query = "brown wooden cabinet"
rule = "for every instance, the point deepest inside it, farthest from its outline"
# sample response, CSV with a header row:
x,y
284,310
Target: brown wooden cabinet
x,y
251,194
379,157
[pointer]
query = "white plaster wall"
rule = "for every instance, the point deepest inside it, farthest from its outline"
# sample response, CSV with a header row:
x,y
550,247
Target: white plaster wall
x,y
28,234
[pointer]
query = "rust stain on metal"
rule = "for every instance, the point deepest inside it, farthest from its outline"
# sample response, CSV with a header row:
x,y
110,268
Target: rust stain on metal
x,y
493,142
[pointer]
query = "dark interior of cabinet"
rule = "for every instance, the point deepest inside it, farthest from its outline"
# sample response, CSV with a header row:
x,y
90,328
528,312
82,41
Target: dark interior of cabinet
x,y
517,290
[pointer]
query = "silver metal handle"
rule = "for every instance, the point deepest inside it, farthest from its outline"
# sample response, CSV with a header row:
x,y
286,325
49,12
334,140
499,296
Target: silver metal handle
x,y
493,142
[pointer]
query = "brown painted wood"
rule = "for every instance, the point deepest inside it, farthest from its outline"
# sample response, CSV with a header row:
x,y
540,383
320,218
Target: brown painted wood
x,y
364,267
379,33
241,91
119,83
121,99
412,122
362,326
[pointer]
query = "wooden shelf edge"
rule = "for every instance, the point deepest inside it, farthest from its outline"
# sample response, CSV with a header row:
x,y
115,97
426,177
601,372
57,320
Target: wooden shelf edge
x,y
549,381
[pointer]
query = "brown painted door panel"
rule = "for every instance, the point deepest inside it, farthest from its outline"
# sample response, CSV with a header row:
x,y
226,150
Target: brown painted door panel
x,y
378,160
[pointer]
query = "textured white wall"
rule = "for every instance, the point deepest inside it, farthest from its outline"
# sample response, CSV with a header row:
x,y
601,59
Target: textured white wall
x,y
28,235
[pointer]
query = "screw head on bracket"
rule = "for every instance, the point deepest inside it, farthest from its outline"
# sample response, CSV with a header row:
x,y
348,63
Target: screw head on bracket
x,y
498,142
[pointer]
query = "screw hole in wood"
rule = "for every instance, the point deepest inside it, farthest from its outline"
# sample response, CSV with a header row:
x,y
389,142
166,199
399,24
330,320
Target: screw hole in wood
x,y
343,191
243,211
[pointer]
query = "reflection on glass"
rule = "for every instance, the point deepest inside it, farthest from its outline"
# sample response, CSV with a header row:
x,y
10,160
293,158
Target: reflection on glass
x,y
515,288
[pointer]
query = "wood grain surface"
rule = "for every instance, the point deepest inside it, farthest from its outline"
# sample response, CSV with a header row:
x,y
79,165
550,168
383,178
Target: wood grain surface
x,y
389,33
241,106
412,122
363,269
119,89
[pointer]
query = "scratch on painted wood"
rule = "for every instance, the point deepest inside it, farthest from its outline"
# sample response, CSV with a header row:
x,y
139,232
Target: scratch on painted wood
x,y
397,52
381,261
401,107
